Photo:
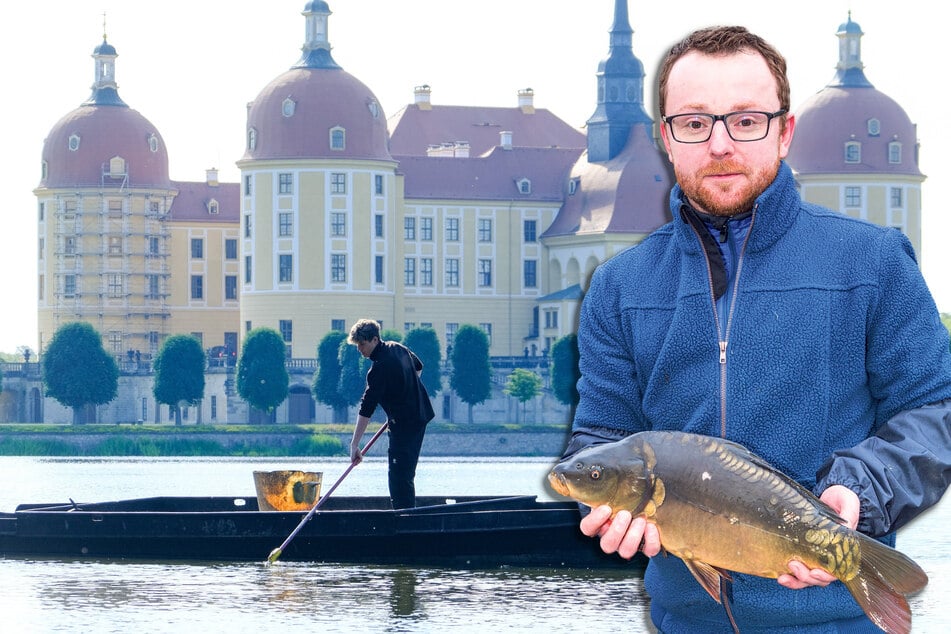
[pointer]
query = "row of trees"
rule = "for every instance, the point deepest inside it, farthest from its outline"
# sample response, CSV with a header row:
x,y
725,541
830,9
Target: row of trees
x,y
78,372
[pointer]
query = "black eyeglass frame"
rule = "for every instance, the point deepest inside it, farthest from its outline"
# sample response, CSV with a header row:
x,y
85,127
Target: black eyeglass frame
x,y
722,117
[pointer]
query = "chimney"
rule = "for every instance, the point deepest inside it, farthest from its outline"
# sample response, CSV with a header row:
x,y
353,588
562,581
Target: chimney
x,y
211,176
505,139
526,100
421,97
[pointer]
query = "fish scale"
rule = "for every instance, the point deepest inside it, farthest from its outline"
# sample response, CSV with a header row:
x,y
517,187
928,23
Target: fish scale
x,y
721,508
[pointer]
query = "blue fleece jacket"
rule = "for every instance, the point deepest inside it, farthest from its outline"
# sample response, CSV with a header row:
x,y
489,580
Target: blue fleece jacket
x,y
826,331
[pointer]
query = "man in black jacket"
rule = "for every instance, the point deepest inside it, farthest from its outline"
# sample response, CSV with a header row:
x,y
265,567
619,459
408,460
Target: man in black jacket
x,y
393,383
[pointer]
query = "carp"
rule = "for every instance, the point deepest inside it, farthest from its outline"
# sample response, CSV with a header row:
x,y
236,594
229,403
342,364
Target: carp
x,y
721,508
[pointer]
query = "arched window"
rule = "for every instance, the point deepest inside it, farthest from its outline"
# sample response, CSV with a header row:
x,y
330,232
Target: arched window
x,y
252,138
853,152
338,138
894,152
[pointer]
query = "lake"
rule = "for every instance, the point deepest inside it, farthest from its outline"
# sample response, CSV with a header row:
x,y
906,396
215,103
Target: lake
x,y
57,595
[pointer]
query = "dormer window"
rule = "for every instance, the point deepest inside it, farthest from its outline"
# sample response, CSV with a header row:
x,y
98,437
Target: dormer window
x,y
252,138
874,127
374,108
153,143
213,207
853,152
573,185
288,107
73,142
338,138
117,166
524,186
894,152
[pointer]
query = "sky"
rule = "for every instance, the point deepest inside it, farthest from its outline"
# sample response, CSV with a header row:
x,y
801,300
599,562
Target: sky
x,y
191,67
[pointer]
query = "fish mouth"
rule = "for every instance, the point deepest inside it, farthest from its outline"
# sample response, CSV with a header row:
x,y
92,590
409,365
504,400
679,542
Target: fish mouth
x,y
559,483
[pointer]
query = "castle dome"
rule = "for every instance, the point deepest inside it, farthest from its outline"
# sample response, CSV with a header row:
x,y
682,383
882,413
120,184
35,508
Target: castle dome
x,y
316,109
82,148
849,111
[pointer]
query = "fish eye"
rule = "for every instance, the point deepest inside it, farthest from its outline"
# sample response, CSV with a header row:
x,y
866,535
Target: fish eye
x,y
595,473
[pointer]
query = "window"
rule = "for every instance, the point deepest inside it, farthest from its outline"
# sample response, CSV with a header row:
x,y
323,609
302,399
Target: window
x,y
40,248
114,283
115,245
288,108
69,245
153,143
155,207
152,287
524,186
451,328
338,324
485,230
529,230
452,229
338,183
214,407
338,224
896,196
69,285
285,183
213,207
247,225
286,326
874,127
408,325
894,153
286,267
853,152
529,274
231,249
573,185
378,225
247,269
198,248
452,272
409,271
198,283
426,271
551,318
231,287
338,139
378,184
153,245
285,221
409,228
115,341
247,185
853,197
73,142
487,329
426,229
115,208
41,211
378,269
338,267
252,138
485,272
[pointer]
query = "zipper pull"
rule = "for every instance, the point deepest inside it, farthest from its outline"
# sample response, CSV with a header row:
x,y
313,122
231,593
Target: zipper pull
x,y
722,352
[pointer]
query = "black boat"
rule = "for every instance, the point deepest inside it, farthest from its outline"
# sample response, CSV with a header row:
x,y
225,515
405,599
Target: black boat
x,y
462,532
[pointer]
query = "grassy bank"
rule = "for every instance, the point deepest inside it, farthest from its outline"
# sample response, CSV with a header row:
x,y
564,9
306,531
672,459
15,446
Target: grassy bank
x,y
248,440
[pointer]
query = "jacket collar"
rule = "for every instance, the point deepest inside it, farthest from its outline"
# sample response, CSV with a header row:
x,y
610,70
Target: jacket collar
x,y
774,212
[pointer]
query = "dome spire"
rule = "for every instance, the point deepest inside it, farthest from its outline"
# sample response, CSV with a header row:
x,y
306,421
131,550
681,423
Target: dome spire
x,y
620,92
849,70
105,90
316,49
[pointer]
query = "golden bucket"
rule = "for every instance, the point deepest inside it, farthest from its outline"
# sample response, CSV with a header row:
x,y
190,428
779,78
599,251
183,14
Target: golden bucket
x,y
287,490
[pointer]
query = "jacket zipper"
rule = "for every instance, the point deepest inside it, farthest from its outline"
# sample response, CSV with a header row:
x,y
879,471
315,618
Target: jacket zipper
x,y
725,339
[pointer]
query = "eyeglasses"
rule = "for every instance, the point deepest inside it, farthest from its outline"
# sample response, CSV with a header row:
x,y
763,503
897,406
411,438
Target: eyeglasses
x,y
745,125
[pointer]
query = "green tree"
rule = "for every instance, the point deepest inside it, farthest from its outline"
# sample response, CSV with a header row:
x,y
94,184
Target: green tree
x,y
353,373
326,382
262,378
179,370
524,385
391,334
471,372
564,369
77,371
424,342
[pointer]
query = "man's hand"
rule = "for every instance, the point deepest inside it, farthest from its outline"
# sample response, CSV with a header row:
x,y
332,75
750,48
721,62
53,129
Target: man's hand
x,y
844,502
623,534
356,456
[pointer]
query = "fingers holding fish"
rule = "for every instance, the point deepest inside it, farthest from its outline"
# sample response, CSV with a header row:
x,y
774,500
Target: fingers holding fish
x,y
843,501
801,576
623,534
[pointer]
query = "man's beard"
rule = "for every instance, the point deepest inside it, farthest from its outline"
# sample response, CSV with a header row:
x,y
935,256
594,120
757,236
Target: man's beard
x,y
715,201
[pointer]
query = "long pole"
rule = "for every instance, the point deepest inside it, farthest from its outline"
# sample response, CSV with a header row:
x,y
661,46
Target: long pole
x,y
280,549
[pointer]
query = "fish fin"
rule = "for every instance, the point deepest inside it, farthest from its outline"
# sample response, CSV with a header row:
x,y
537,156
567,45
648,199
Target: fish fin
x,y
884,576
897,570
707,576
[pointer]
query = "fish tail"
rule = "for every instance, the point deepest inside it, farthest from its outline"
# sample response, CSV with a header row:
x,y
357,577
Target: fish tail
x,y
883,579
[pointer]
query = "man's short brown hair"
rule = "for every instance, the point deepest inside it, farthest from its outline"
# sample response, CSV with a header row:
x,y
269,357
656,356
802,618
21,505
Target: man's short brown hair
x,y
364,330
